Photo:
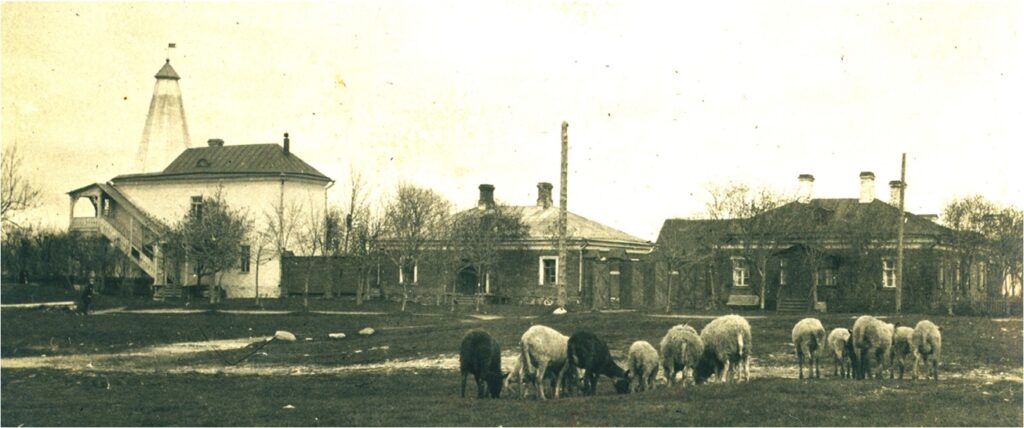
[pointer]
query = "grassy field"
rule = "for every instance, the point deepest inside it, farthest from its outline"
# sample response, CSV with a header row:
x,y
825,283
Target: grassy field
x,y
981,372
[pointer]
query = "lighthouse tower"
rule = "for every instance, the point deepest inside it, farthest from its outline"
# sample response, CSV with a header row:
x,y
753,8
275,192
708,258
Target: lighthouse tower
x,y
166,133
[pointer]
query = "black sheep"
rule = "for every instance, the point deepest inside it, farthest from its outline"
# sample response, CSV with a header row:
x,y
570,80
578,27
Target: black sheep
x,y
481,356
591,354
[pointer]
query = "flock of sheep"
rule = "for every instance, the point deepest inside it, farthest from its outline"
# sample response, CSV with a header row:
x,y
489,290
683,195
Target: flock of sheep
x,y
721,349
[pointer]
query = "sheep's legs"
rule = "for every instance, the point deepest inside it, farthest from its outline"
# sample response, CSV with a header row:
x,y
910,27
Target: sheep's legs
x,y
542,367
800,361
480,387
464,376
593,377
725,374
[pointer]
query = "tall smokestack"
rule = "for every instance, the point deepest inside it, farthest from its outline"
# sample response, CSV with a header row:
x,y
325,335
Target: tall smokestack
x,y
805,191
486,196
165,135
544,195
867,187
894,193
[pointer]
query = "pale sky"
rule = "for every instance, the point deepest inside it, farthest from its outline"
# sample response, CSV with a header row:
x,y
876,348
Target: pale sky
x,y
661,97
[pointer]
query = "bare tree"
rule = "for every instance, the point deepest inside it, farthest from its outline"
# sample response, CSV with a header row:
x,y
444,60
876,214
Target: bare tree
x,y
690,249
412,221
481,236
17,193
281,226
210,240
264,246
311,243
333,242
966,216
981,225
761,231
366,236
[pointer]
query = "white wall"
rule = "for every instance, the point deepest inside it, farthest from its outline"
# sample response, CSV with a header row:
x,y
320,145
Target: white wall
x,y
169,201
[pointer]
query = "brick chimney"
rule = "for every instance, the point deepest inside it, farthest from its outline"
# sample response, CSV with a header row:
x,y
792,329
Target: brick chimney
x,y
215,142
867,187
287,144
894,193
544,195
486,196
805,191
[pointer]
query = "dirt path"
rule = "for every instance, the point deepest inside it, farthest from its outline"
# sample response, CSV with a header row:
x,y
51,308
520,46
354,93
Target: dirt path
x,y
164,359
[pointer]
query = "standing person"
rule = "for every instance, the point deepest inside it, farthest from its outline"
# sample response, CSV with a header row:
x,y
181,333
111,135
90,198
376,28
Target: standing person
x,y
87,296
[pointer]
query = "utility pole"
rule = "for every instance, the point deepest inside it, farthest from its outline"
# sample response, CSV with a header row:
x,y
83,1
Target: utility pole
x,y
562,218
899,235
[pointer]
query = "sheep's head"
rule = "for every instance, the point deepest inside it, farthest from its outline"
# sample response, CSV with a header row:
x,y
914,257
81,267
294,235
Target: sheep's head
x,y
706,367
495,382
622,385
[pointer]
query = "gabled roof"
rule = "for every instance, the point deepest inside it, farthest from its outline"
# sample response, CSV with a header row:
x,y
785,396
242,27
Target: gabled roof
x,y
246,160
819,217
689,236
850,215
543,226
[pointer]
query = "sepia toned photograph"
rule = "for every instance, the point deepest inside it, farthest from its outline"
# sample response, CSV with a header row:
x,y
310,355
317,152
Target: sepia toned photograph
x,y
512,213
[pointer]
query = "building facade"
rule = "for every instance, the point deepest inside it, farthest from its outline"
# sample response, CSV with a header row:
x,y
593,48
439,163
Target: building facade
x,y
267,182
604,266
824,254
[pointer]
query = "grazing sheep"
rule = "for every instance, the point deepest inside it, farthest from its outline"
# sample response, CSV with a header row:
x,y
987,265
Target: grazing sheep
x,y
841,347
901,351
726,344
591,354
519,374
809,338
927,346
481,356
642,365
680,350
872,339
543,349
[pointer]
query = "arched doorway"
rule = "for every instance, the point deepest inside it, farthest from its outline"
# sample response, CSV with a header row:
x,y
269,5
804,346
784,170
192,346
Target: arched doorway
x,y
466,283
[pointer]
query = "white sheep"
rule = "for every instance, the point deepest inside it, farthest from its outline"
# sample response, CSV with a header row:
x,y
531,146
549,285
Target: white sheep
x,y
927,346
809,338
726,344
681,349
642,366
841,347
901,351
872,339
543,349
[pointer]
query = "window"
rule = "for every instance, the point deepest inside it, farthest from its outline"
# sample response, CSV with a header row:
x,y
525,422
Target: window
x,y
888,273
782,272
243,264
826,277
408,272
547,271
197,206
942,275
740,272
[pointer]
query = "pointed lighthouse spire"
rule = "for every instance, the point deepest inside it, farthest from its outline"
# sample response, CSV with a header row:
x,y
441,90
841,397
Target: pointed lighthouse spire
x,y
166,133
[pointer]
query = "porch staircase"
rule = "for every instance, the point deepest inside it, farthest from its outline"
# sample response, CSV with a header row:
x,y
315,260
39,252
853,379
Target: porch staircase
x,y
792,306
168,292
131,231
464,300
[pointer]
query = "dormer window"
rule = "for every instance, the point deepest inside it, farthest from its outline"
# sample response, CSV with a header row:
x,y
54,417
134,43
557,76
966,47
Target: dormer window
x,y
202,163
